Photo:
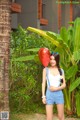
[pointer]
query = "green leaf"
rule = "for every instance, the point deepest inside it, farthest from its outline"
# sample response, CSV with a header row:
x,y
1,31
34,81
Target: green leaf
x,y
33,49
26,58
76,34
71,71
36,59
78,103
52,34
74,84
71,22
76,55
64,34
44,34
49,36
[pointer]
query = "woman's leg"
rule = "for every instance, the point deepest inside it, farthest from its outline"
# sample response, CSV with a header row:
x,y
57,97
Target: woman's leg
x,y
60,108
49,112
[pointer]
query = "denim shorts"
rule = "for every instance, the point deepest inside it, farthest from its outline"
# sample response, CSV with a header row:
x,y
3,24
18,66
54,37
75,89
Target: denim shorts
x,y
54,97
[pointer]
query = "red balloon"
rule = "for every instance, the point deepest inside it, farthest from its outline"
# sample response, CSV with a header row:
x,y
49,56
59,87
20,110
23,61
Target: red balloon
x,y
44,56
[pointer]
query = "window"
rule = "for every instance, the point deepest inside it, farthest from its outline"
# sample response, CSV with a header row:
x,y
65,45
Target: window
x,y
42,11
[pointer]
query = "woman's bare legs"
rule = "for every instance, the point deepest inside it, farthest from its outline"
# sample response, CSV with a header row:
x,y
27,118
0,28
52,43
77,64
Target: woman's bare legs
x,y
60,109
49,112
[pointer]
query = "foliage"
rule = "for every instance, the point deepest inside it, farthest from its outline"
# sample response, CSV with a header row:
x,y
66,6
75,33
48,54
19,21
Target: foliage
x,y
67,44
25,70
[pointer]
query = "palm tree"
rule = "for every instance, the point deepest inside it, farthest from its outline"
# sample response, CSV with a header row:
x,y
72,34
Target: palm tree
x,y
5,29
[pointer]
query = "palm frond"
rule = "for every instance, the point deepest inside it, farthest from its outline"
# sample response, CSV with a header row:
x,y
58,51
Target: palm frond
x,y
25,58
74,85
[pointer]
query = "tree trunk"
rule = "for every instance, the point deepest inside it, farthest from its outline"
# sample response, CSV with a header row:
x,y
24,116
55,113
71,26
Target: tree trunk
x,y
5,29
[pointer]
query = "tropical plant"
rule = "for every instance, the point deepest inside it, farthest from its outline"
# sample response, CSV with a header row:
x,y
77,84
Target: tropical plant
x,y
68,45
25,70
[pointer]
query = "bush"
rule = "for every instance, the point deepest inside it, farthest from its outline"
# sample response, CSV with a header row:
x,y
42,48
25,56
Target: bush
x,y
25,76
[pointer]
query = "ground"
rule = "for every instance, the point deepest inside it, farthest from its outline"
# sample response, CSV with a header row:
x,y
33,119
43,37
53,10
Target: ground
x,y
36,116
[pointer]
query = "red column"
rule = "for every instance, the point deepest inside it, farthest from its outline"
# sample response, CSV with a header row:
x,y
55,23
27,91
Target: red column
x,y
59,15
39,9
71,11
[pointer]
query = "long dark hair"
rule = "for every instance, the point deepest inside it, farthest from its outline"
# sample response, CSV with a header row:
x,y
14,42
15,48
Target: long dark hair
x,y
57,59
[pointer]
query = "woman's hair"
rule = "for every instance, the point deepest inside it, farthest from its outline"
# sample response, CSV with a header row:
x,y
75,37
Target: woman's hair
x,y
57,59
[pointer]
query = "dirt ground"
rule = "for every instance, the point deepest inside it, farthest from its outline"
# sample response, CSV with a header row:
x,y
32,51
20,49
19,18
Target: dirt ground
x,y
43,117
39,117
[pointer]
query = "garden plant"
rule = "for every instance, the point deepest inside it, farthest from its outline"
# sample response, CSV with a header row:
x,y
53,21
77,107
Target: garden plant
x,y
25,67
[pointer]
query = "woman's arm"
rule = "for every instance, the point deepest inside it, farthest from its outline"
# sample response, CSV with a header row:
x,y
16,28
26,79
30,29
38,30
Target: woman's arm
x,y
63,85
44,86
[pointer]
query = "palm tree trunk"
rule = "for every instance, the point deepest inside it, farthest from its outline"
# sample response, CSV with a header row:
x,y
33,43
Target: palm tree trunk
x,y
5,29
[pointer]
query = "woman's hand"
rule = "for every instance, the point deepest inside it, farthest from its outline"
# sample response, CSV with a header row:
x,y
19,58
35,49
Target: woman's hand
x,y
52,88
44,100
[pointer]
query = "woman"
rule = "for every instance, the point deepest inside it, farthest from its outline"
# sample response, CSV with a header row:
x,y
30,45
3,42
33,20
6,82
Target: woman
x,y
54,76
